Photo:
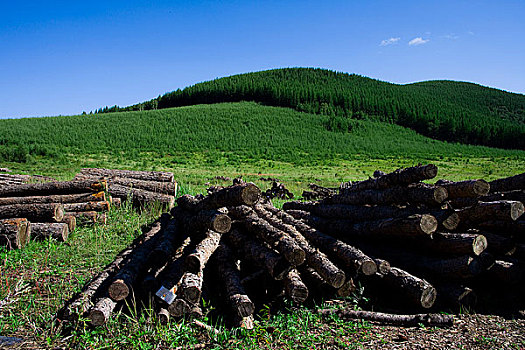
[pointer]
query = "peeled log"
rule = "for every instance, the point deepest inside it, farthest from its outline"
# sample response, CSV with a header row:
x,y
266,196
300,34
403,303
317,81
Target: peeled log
x,y
64,198
314,258
427,320
351,258
516,182
87,206
101,311
52,212
58,231
295,287
14,233
230,277
141,197
468,188
499,210
71,222
160,176
196,261
399,177
52,188
242,194
88,217
260,254
276,238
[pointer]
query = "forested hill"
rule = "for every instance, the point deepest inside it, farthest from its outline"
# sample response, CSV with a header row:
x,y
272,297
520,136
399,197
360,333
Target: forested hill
x,y
446,110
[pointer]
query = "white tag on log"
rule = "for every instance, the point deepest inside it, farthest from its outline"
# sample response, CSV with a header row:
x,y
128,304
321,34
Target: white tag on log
x,y
166,294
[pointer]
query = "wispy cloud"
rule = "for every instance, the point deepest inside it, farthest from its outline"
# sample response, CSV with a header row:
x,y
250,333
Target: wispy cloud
x,y
470,32
389,41
418,41
451,36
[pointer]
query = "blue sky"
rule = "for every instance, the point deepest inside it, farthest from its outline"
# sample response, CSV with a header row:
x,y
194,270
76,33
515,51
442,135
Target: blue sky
x,y
65,57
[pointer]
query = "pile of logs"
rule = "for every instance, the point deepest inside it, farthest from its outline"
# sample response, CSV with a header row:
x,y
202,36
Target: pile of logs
x,y
8,180
141,187
278,190
318,192
456,237
48,210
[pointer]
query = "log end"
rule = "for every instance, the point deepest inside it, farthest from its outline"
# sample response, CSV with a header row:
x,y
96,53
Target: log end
x,y
428,297
71,222
222,223
118,290
368,267
516,210
440,194
346,289
243,305
451,222
337,280
428,224
97,318
430,171
481,188
163,316
192,294
479,244
58,212
296,257
179,308
250,194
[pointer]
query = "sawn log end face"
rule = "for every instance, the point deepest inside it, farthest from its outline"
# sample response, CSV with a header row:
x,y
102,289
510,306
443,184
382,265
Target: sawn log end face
x,y
118,290
338,279
250,194
481,187
428,297
222,223
479,244
428,224
440,194
516,210
368,268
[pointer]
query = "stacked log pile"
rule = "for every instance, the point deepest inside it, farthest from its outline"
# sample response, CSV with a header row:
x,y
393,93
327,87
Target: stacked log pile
x,y
278,190
141,187
48,210
318,192
459,237
8,180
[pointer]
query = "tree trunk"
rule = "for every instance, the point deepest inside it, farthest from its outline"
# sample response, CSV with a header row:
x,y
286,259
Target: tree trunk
x,y
59,198
214,220
191,287
260,254
101,311
58,231
141,197
196,261
314,258
295,287
400,177
87,206
71,222
426,320
516,182
351,258
159,176
166,246
14,233
276,238
52,212
230,277
88,217
469,188
242,194
485,211
454,244
53,188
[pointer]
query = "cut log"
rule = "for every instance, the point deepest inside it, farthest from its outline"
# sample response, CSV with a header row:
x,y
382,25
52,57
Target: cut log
x,y
116,202
100,313
79,303
485,211
383,266
191,287
505,228
426,320
166,246
258,253
71,222
399,177
499,245
351,258
64,198
317,286
51,212
196,261
47,188
454,244
141,197
295,287
469,188
456,295
179,307
168,188
276,238
243,322
159,176
230,276
88,217
14,233
87,206
516,182
214,220
505,272
58,231
242,194
314,258
163,315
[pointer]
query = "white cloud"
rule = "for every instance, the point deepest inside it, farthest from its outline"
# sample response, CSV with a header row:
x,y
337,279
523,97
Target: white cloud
x,y
470,32
389,41
451,36
418,41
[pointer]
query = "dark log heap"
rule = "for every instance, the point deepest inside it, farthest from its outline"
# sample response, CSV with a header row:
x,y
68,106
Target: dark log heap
x,y
402,239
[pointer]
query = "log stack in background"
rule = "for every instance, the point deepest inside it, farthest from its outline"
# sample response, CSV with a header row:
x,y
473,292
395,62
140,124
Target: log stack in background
x,y
143,187
49,209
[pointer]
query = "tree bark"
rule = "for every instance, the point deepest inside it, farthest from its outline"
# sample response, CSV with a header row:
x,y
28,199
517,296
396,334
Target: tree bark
x,y
168,188
214,220
53,188
499,245
14,233
516,182
314,258
166,246
276,238
58,231
351,258
505,228
400,177
427,320
244,322
485,211
295,287
59,198
141,197
87,206
257,252
101,311
159,176
454,244
468,188
242,194
88,217
191,287
51,212
196,261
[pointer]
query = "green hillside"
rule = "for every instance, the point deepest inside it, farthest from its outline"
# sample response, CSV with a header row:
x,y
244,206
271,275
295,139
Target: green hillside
x,y
445,110
231,133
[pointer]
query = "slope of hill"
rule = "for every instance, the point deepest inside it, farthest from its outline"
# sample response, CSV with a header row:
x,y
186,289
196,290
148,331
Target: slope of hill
x,y
445,110
227,132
